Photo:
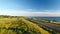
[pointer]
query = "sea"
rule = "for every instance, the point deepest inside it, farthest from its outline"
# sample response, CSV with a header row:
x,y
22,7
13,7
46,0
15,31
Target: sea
x,y
51,18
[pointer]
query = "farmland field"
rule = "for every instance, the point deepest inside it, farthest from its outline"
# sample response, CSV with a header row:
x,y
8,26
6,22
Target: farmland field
x,y
23,25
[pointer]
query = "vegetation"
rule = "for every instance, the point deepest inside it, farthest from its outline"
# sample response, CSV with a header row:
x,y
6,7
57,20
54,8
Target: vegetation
x,y
50,30
18,25
47,21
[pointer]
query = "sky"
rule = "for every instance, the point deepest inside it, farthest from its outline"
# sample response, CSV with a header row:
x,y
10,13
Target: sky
x,y
30,7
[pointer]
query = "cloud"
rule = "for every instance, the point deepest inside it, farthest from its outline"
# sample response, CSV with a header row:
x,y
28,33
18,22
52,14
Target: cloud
x,y
29,13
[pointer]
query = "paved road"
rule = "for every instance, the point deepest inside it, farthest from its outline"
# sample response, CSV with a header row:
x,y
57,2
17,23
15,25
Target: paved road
x,y
53,26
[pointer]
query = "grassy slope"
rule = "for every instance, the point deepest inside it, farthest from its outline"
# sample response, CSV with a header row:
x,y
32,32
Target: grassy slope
x,y
19,26
35,26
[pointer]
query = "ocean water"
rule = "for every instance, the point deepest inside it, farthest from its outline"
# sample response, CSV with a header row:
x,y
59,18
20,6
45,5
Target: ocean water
x,y
50,18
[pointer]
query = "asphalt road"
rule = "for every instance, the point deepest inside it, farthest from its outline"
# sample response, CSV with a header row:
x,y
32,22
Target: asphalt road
x,y
52,26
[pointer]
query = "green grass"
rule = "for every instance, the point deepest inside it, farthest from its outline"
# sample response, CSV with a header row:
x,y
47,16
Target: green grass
x,y
19,26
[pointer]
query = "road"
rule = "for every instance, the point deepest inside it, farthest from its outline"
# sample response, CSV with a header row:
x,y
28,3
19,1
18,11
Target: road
x,y
52,26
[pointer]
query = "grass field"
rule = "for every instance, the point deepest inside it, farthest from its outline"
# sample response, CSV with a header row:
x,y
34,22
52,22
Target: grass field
x,y
19,26
24,25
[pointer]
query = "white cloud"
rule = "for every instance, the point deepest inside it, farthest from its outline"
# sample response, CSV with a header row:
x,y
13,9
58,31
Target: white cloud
x,y
28,13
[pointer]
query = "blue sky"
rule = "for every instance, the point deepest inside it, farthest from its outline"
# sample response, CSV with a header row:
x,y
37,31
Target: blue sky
x,y
29,5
